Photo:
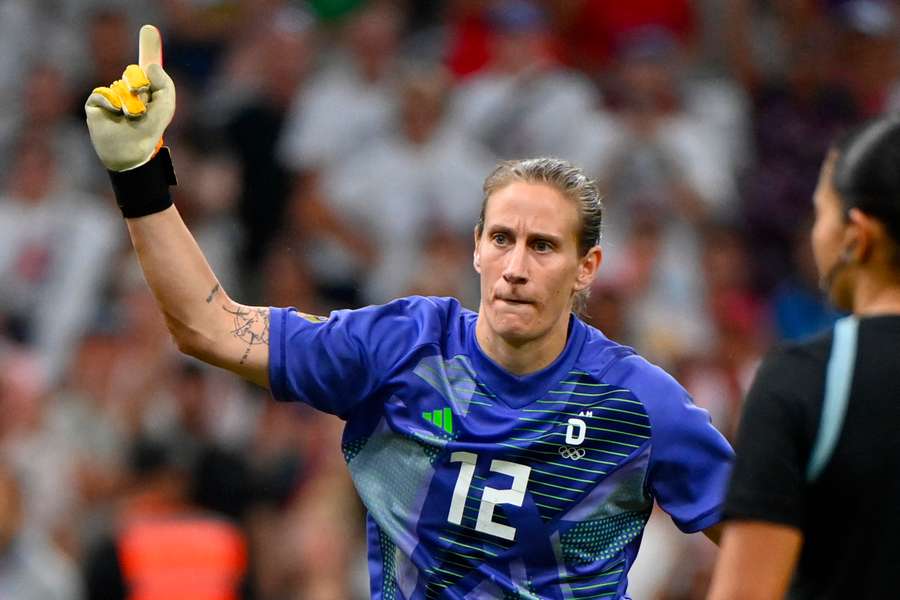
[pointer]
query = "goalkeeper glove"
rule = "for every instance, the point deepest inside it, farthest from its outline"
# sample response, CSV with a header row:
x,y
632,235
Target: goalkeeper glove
x,y
126,122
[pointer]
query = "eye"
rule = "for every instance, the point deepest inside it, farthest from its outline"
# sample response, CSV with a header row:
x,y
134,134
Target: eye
x,y
542,246
500,239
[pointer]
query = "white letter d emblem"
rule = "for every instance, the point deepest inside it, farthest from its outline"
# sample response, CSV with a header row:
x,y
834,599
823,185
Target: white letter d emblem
x,y
575,432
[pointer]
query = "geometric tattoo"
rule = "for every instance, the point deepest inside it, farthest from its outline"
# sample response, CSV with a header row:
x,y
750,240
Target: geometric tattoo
x,y
250,326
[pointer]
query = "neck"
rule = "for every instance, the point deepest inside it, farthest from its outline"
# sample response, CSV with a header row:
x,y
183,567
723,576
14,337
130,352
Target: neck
x,y
522,357
877,294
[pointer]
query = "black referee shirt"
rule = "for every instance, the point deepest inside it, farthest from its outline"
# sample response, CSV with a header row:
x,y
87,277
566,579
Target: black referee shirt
x,y
850,516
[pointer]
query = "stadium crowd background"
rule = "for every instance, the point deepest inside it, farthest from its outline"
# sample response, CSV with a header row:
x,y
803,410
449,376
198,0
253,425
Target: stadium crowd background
x,y
332,154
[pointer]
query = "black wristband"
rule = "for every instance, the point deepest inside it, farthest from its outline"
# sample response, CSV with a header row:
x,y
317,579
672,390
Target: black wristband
x,y
145,190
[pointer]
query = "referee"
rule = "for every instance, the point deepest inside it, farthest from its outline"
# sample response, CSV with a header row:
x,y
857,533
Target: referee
x,y
813,507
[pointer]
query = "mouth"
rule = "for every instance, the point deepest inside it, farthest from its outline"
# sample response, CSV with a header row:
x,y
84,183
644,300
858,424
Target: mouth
x,y
514,301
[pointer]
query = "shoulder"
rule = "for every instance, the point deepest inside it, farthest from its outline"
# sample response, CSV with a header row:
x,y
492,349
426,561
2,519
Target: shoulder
x,y
415,318
793,369
787,392
666,402
439,307
622,366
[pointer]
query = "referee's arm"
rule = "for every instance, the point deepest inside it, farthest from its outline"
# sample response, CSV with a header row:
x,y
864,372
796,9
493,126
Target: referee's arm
x,y
765,506
756,561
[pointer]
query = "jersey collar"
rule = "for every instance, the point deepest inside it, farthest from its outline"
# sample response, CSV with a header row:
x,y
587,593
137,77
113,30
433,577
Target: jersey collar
x,y
515,390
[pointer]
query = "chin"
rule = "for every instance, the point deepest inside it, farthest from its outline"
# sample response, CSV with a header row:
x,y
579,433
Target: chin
x,y
513,329
516,337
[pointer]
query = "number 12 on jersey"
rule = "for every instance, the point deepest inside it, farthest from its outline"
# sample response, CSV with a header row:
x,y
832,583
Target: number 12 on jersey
x,y
491,497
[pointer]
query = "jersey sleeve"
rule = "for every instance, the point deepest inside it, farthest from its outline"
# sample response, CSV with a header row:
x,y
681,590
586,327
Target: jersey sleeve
x,y
335,363
690,461
773,443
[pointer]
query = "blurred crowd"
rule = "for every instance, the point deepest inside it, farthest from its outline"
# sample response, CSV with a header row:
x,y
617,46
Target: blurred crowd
x,y
331,155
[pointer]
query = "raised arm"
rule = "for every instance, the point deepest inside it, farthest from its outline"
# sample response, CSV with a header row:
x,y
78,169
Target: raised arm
x,y
126,122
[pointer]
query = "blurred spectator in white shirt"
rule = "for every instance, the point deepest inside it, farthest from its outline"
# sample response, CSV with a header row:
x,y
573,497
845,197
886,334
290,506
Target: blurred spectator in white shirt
x,y
31,568
665,177
425,176
524,103
55,245
350,102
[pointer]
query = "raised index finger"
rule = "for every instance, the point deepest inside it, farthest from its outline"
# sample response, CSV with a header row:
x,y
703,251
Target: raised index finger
x,y
149,47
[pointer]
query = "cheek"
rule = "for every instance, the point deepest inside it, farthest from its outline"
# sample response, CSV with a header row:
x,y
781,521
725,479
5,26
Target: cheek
x,y
561,283
816,237
824,237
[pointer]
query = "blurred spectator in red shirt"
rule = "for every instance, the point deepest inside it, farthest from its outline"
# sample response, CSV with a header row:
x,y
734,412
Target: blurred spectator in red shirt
x,y
869,61
593,29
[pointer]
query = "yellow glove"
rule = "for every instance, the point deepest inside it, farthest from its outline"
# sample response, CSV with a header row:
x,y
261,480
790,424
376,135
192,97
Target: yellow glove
x,y
127,119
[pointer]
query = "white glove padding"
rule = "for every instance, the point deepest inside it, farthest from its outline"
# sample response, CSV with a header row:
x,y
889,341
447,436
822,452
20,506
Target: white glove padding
x,y
125,132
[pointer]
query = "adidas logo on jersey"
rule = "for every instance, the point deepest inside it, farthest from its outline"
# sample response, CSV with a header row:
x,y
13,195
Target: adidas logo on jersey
x,y
441,418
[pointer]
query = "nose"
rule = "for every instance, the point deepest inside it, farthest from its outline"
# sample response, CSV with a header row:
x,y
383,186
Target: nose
x,y
515,270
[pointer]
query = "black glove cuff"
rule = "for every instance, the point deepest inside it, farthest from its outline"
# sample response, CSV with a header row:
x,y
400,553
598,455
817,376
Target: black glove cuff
x,y
145,190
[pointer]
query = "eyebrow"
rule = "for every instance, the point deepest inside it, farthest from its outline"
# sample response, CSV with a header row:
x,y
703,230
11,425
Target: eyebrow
x,y
532,235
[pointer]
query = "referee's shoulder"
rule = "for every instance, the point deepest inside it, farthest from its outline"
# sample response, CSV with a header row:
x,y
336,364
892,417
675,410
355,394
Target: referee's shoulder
x,y
793,369
812,349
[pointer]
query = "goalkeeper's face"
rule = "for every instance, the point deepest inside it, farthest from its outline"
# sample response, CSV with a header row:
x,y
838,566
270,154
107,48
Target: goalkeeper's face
x,y
529,264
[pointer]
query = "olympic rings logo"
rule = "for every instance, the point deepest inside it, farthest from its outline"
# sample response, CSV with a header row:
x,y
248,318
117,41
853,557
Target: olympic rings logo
x,y
571,453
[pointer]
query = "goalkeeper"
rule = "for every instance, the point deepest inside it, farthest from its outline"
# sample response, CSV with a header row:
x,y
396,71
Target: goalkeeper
x,y
513,452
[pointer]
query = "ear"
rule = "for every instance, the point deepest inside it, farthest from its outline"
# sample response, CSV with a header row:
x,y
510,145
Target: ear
x,y
587,268
859,236
476,255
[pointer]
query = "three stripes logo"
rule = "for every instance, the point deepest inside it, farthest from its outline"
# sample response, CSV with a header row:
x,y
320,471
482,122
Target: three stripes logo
x,y
441,418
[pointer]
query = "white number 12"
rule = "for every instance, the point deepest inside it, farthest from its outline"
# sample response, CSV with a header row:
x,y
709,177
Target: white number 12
x,y
491,496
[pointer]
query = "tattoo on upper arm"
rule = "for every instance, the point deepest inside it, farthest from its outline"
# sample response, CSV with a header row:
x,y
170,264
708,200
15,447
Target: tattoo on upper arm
x,y
212,294
251,325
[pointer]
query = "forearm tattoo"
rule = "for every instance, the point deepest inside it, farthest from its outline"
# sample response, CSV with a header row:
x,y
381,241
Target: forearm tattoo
x,y
251,325
212,294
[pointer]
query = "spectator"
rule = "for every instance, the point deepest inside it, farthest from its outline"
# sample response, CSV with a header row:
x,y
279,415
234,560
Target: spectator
x,y
796,111
524,102
665,178
350,104
270,68
46,108
594,29
398,188
351,101
163,546
869,52
54,243
30,567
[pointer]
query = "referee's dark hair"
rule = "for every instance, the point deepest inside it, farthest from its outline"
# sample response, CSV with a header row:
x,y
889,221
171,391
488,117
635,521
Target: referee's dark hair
x,y
867,171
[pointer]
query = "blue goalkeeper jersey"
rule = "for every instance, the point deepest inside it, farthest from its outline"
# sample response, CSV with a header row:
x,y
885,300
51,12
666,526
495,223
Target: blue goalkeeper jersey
x,y
480,484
